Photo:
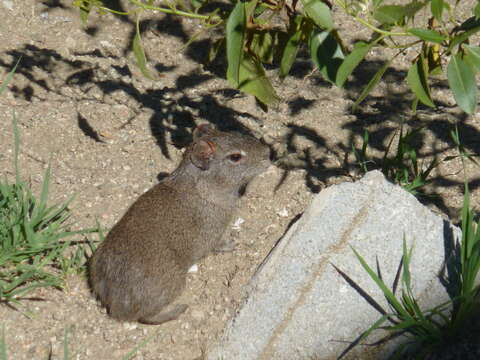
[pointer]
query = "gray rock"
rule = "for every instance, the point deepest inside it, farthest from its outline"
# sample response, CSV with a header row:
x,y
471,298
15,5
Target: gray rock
x,y
8,4
299,307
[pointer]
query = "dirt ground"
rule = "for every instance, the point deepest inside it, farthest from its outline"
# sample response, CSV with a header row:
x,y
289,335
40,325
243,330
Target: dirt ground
x,y
109,133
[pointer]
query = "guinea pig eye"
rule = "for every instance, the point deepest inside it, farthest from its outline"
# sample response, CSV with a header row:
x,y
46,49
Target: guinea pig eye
x,y
235,157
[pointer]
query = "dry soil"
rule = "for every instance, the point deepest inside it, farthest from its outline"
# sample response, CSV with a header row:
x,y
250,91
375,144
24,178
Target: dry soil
x,y
109,134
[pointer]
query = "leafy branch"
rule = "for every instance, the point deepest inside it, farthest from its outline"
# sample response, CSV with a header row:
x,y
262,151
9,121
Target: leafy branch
x,y
259,32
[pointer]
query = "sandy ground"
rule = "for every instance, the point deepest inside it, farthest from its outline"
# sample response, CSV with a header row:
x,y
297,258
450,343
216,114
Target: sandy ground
x,y
109,133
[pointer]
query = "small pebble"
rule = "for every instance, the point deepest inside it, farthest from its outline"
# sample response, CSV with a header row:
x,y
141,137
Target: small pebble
x,y
8,4
193,268
283,212
129,326
237,224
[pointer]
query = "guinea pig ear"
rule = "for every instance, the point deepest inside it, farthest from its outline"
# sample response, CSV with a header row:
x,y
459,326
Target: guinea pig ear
x,y
202,153
202,130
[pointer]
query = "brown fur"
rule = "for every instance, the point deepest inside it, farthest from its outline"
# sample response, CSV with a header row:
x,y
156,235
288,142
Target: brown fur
x,y
141,266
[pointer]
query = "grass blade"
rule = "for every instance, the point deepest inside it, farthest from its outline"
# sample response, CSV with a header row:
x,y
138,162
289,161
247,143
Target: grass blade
x,y
66,351
406,268
138,51
371,84
30,235
39,208
363,336
362,292
3,345
9,77
386,291
144,342
16,135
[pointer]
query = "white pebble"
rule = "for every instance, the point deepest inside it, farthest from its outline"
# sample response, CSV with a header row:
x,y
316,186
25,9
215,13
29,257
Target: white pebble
x,y
129,326
8,4
236,225
193,268
283,212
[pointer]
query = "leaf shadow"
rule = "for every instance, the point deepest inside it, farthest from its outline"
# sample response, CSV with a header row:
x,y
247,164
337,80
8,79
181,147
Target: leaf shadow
x,y
172,118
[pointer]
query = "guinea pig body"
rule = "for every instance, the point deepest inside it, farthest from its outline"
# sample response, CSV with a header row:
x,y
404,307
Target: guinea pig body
x,y
141,267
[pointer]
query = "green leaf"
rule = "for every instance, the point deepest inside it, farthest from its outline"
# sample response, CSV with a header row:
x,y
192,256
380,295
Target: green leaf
x,y
84,8
472,56
436,7
254,81
434,60
417,79
427,35
139,53
197,4
470,27
260,9
412,8
415,105
461,79
263,44
376,3
319,12
469,24
476,11
250,7
389,14
352,60
291,47
371,84
235,35
326,53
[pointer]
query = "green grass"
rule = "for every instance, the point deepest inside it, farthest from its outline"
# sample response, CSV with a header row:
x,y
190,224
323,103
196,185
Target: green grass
x,y
425,330
34,235
3,345
403,166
